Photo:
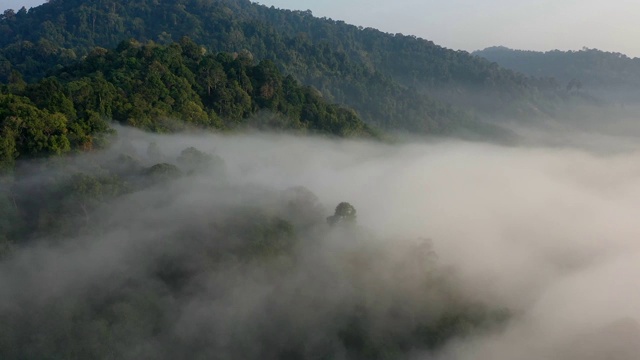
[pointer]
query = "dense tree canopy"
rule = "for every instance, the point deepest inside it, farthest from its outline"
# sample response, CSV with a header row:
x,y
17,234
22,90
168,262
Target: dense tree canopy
x,y
611,75
159,88
140,249
392,81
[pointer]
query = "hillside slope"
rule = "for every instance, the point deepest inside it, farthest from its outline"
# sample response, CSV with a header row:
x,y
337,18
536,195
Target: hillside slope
x,y
159,88
393,81
611,75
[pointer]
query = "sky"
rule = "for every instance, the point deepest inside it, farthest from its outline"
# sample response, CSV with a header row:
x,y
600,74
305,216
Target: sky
x,y
471,24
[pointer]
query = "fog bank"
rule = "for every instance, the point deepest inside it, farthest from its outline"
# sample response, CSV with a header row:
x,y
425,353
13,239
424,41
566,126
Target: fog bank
x,y
548,233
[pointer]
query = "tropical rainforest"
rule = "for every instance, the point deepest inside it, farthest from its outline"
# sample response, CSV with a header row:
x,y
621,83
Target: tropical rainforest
x,y
160,89
611,75
394,82
122,237
153,251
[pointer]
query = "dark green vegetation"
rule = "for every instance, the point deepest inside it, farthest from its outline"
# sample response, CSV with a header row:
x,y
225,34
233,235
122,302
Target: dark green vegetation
x,y
611,75
129,249
160,89
394,82
141,253
345,213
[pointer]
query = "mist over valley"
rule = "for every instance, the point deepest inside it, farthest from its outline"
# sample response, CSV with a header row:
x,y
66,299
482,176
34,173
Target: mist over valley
x,y
221,179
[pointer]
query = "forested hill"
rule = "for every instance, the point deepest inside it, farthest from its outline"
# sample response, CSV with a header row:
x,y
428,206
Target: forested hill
x,y
608,73
393,81
158,88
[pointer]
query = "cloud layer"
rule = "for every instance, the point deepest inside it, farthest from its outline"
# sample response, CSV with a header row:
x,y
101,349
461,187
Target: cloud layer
x,y
548,233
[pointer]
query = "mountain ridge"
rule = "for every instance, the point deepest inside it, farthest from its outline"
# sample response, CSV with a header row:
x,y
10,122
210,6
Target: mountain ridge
x,y
394,81
611,75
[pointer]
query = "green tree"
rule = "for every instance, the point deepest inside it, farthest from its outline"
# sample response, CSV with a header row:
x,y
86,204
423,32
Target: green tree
x,y
345,213
35,132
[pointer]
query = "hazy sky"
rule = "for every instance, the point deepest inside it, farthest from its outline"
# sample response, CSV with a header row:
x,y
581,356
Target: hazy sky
x,y
471,24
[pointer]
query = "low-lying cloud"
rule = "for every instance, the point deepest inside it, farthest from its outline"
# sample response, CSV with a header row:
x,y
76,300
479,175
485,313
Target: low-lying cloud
x,y
551,234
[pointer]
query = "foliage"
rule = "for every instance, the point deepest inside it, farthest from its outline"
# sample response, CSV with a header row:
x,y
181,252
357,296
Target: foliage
x,y
612,75
140,253
158,88
28,130
171,275
394,82
345,213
